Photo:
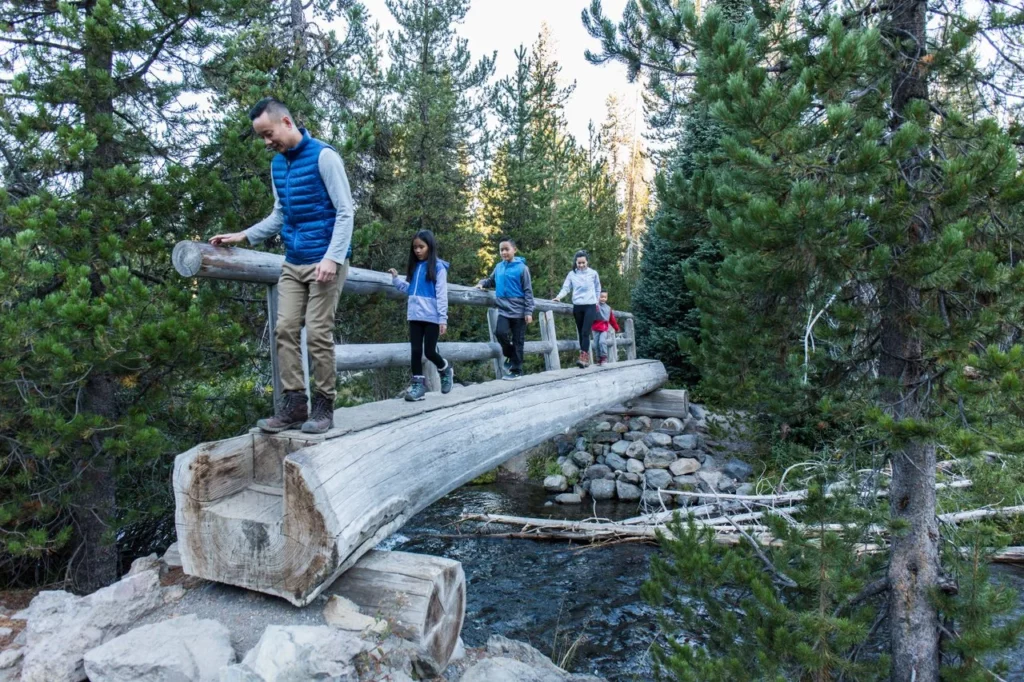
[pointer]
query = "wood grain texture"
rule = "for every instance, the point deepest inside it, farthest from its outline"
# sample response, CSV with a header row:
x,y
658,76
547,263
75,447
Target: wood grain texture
x,y
352,487
663,403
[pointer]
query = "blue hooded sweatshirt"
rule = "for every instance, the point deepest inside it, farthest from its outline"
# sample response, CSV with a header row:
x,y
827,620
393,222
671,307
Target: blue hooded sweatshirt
x,y
513,288
428,301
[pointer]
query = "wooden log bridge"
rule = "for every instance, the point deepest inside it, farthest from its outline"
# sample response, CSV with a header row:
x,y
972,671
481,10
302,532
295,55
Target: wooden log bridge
x,y
287,514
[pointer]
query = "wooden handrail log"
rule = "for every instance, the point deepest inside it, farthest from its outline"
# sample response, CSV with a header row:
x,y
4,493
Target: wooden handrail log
x,y
349,357
199,259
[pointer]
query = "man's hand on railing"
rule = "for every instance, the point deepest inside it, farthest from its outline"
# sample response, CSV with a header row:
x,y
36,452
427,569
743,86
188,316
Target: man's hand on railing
x,y
393,272
529,319
229,238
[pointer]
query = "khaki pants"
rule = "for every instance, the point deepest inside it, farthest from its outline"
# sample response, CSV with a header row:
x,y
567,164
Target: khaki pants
x,y
301,300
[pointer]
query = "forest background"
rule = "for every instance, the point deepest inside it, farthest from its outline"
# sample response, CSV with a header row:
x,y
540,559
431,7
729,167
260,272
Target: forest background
x,y
832,244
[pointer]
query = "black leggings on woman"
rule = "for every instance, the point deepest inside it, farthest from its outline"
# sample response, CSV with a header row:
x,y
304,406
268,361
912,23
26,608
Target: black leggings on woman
x,y
423,338
585,316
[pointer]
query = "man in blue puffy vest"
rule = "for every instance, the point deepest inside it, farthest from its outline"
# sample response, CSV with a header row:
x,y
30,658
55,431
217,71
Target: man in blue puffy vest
x,y
313,212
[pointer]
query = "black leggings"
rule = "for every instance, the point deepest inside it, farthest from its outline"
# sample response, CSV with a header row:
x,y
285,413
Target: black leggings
x,y
423,339
585,316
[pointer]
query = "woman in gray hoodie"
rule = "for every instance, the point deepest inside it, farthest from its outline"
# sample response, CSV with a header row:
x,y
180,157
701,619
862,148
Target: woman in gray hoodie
x,y
585,285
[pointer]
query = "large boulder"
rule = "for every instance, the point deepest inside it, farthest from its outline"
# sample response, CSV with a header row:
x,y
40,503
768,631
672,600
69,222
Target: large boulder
x,y
614,461
180,649
627,491
658,440
738,469
61,627
598,471
511,661
556,484
637,450
582,459
298,653
684,466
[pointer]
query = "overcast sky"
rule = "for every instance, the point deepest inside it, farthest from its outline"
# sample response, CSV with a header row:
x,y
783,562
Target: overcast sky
x,y
495,25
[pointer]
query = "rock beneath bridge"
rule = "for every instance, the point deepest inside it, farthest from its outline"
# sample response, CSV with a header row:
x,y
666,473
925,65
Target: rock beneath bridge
x,y
287,514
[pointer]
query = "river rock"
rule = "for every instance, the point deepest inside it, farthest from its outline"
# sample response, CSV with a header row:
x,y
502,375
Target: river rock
x,y
605,437
172,557
707,461
615,462
185,648
685,482
598,471
635,466
344,614
727,485
555,484
568,498
504,649
627,491
658,440
581,443
637,450
659,458
710,480
563,445
296,653
640,424
602,489
620,428
672,425
684,466
582,459
685,442
620,447
738,469
598,449
146,563
633,436
698,411
603,426
657,478
630,477
570,471
61,627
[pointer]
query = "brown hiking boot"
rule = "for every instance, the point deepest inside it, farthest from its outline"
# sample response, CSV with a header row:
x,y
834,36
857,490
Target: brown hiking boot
x,y
584,360
323,415
291,415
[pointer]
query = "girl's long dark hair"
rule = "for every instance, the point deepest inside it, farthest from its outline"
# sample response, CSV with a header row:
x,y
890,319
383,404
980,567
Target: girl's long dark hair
x,y
427,237
580,254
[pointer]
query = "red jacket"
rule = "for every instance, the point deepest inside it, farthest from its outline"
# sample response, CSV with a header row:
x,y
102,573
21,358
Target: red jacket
x,y
602,325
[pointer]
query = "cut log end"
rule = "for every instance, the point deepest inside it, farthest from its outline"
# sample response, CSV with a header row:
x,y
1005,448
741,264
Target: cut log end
x,y
422,597
187,258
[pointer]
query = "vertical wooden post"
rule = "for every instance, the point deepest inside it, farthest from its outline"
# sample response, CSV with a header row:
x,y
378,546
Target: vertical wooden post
x,y
492,324
432,376
613,347
631,335
547,335
275,369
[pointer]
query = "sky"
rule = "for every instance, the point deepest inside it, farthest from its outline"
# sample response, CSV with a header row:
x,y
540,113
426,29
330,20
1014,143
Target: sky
x,y
497,25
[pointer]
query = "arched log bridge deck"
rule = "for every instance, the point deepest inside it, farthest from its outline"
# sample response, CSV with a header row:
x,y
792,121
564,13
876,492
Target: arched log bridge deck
x,y
286,514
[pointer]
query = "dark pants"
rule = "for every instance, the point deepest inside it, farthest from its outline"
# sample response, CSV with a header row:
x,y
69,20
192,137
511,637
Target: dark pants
x,y
423,338
585,316
511,334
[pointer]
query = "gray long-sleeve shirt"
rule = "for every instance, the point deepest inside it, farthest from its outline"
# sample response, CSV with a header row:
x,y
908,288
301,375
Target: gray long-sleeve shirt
x,y
585,286
332,171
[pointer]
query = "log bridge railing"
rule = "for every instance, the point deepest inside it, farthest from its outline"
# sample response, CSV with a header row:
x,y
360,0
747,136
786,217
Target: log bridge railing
x,y
197,259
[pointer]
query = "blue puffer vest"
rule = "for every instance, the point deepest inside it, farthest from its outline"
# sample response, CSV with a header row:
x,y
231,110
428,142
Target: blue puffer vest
x,y
308,211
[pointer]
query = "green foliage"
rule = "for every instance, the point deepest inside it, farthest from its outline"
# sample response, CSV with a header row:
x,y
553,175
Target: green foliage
x,y
728,615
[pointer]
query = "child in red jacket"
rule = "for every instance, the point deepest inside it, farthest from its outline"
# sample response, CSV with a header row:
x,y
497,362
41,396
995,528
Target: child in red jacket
x,y
605,320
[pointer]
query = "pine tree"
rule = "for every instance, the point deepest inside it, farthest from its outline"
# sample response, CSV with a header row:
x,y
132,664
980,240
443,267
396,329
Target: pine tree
x,y
863,206
106,350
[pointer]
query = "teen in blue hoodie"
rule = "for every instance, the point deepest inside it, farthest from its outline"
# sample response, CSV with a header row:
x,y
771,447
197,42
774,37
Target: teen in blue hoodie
x,y
514,293
426,285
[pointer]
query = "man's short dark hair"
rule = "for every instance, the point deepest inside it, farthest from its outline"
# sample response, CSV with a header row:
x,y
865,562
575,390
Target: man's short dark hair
x,y
272,107
507,239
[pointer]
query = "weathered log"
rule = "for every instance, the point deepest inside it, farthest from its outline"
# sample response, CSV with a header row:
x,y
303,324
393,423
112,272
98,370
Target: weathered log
x,y
286,514
377,355
422,597
663,403
199,259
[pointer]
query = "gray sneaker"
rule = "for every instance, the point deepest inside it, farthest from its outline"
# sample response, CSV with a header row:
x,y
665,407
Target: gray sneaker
x,y
447,377
417,389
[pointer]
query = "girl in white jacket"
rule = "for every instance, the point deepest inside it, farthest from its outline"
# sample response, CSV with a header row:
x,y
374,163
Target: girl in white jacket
x,y
585,285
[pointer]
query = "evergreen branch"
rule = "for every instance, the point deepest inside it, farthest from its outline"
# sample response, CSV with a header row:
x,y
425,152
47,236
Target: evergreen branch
x,y
782,577
30,42
146,65
870,590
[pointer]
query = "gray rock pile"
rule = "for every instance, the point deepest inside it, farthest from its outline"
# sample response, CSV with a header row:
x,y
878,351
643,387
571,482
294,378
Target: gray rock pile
x,y
643,459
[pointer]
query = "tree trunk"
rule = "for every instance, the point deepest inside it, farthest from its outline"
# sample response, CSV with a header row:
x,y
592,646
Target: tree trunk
x,y
95,563
96,558
914,567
